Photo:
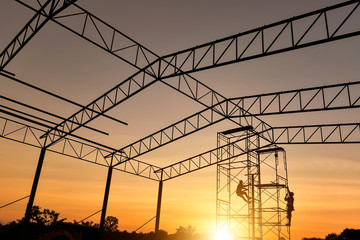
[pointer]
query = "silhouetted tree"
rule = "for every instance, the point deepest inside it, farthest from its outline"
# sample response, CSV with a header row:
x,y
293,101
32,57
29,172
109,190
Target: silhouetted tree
x,y
187,233
46,217
331,236
111,224
349,234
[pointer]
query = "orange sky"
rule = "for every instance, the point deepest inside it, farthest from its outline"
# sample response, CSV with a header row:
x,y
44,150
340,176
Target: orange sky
x,y
325,178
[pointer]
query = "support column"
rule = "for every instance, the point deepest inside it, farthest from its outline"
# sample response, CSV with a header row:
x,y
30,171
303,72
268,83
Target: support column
x,y
158,209
34,186
253,205
106,197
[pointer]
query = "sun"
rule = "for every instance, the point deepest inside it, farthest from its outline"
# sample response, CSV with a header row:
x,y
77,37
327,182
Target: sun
x,y
222,234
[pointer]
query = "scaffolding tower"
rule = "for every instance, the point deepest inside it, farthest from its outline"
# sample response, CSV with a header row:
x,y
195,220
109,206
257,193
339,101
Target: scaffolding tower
x,y
262,168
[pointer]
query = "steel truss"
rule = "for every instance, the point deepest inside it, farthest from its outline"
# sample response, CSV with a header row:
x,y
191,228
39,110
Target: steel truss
x,y
310,134
145,76
47,10
131,86
134,84
332,97
239,152
86,25
29,135
309,29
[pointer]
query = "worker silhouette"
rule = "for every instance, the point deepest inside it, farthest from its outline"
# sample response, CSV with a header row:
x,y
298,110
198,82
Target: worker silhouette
x,y
241,192
289,198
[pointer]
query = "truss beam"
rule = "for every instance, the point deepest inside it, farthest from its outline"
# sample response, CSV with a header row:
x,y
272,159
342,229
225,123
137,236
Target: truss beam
x,y
139,81
310,134
185,84
316,134
306,30
29,135
48,9
331,97
89,27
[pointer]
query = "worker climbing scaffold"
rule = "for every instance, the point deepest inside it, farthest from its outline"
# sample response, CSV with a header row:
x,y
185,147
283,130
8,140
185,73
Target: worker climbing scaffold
x,y
289,198
241,192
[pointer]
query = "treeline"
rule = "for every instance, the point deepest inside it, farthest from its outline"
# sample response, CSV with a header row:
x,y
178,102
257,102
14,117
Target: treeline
x,y
347,234
46,225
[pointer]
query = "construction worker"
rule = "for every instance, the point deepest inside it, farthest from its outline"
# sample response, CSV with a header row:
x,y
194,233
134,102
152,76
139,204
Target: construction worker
x,y
289,198
241,192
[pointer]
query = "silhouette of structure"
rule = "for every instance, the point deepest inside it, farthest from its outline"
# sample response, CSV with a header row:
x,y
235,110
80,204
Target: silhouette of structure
x,y
243,155
250,152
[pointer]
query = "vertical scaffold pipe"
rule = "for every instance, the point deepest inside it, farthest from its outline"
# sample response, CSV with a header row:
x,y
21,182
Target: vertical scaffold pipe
x,y
158,209
253,204
106,197
34,186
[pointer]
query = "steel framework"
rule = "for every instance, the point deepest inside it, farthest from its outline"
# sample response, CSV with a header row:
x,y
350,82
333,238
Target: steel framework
x,y
249,152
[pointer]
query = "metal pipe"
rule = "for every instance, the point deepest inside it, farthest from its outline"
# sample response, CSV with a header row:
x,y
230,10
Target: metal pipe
x,y
106,197
60,97
158,208
253,205
48,113
34,186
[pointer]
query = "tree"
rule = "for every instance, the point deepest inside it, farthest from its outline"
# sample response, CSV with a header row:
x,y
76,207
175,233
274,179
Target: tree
x,y
332,236
111,224
46,217
185,233
349,234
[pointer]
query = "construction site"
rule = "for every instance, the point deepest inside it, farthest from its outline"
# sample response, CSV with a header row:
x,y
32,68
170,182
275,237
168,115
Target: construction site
x,y
200,116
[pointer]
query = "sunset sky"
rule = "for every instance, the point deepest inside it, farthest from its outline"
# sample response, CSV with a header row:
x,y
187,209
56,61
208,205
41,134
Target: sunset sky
x,y
325,178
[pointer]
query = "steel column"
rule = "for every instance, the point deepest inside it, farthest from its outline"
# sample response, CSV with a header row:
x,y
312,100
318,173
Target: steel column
x,y
34,186
158,209
253,205
106,197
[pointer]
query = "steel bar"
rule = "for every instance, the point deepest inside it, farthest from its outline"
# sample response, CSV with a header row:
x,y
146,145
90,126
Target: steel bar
x,y
145,224
48,113
59,97
14,201
34,186
158,208
106,197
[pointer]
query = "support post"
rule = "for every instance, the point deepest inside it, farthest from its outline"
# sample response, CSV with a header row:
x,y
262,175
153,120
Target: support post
x,y
34,186
253,204
158,209
106,197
